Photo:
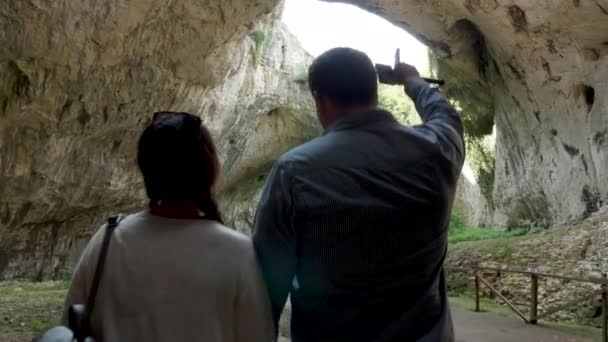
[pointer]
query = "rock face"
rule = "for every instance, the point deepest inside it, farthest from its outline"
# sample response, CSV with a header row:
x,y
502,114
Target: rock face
x,y
276,113
470,202
78,82
538,70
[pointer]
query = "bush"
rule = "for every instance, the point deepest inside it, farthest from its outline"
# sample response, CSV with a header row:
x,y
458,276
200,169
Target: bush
x,y
301,76
474,234
481,157
394,100
260,40
460,232
456,220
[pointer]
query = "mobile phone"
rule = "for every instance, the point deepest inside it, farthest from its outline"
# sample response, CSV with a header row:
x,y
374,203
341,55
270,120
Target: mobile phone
x,y
384,72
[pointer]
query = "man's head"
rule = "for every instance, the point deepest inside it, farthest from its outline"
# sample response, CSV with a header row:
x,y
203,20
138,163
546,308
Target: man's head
x,y
342,81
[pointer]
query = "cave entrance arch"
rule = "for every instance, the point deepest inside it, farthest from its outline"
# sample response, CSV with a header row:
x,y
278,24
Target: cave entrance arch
x,y
322,25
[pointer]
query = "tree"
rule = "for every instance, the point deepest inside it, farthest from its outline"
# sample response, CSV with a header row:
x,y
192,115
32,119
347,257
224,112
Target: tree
x,y
394,100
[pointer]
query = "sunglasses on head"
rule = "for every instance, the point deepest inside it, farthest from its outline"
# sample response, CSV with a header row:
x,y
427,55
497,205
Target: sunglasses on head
x,y
159,115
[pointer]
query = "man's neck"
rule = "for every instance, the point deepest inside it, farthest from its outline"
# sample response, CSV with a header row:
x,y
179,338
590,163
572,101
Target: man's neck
x,y
345,113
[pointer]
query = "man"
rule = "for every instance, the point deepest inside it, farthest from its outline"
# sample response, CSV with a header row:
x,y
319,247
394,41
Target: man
x,y
353,224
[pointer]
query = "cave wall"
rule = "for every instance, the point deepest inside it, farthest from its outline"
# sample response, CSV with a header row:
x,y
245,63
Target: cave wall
x,y
281,115
470,204
539,71
79,81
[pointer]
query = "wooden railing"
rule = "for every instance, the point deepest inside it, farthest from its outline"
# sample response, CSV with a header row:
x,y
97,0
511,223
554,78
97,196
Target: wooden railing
x,y
534,276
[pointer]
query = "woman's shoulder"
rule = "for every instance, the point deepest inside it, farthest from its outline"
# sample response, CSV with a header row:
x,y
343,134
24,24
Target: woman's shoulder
x,y
196,231
232,236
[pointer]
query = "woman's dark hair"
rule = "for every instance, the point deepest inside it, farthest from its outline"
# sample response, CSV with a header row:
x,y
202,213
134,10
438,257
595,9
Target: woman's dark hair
x,y
178,160
346,76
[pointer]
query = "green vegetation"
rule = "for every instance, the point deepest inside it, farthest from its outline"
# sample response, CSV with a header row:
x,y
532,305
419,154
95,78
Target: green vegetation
x,y
26,309
301,76
394,100
481,157
468,94
260,41
557,251
476,108
459,232
480,147
474,234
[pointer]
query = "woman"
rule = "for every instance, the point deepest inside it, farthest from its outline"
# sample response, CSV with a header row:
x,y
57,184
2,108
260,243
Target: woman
x,y
174,272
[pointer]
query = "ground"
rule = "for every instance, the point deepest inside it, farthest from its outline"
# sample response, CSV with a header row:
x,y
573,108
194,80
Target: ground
x,y
473,326
501,324
577,250
26,309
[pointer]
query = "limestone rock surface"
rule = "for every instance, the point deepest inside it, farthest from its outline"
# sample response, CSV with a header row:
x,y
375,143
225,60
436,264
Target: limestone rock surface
x,y
79,81
470,202
538,70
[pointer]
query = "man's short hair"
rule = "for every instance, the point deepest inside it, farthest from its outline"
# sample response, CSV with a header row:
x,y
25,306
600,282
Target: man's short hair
x,y
346,76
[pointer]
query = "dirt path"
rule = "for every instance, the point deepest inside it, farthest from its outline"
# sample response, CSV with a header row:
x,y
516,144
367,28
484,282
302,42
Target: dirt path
x,y
486,326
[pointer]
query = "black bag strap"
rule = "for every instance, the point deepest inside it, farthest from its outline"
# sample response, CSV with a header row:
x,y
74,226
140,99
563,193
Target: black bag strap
x,y
101,261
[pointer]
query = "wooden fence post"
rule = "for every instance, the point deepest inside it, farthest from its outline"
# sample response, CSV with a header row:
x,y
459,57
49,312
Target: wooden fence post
x,y
534,298
604,313
533,269
476,292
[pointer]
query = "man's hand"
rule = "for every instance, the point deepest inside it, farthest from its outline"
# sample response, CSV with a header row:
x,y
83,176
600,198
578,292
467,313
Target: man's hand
x,y
400,74
403,72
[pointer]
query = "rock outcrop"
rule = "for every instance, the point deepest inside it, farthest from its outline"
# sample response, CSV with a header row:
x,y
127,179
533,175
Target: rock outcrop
x,y
275,112
78,82
470,202
538,70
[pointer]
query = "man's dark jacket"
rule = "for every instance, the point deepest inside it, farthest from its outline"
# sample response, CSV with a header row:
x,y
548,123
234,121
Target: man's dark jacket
x,y
353,225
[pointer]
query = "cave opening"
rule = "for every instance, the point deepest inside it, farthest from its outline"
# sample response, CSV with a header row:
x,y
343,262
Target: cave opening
x,y
589,96
321,25
587,93
65,168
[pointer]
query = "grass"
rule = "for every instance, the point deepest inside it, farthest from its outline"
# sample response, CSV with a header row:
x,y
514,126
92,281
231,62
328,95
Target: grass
x,y
475,234
301,76
489,306
459,232
26,309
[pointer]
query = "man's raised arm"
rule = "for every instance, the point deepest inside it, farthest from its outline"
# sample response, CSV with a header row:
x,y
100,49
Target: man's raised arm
x,y
438,117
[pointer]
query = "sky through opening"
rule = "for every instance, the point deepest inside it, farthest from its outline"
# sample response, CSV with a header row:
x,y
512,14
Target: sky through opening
x,y
321,26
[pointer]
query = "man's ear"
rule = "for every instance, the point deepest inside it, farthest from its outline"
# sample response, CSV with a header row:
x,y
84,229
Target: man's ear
x,y
315,96
321,102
